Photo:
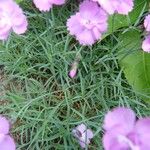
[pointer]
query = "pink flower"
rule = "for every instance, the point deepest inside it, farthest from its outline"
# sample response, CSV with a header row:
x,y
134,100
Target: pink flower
x,y
88,24
119,6
11,18
73,73
123,132
83,135
46,5
73,70
147,23
146,44
6,141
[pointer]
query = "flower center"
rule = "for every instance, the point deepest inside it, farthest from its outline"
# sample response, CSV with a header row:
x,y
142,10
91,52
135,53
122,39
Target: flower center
x,y
123,139
4,19
88,23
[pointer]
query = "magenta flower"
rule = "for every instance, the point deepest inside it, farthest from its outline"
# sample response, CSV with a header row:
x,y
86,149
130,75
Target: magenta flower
x,y
46,5
83,135
118,6
6,141
123,132
147,23
88,24
11,18
146,44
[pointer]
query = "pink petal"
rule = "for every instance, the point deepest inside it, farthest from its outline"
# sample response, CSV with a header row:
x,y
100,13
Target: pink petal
x,y
89,133
7,144
84,140
146,44
147,23
105,4
120,6
86,37
4,36
43,5
89,23
83,135
2,137
4,125
96,33
57,2
142,129
125,7
18,18
82,144
82,127
73,24
7,5
20,29
5,30
11,17
111,139
101,16
86,6
79,130
72,73
124,117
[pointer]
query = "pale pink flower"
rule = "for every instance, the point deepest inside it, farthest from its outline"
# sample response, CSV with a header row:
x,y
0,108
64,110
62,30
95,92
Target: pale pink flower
x,y
88,24
146,44
73,73
73,70
46,5
83,135
147,23
124,132
6,141
118,6
11,18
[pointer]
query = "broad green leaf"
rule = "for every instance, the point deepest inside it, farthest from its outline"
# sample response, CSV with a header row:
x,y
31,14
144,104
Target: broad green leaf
x,y
135,62
18,1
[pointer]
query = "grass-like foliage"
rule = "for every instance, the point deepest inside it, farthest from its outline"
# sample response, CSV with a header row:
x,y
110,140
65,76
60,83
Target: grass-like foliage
x,y
42,101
